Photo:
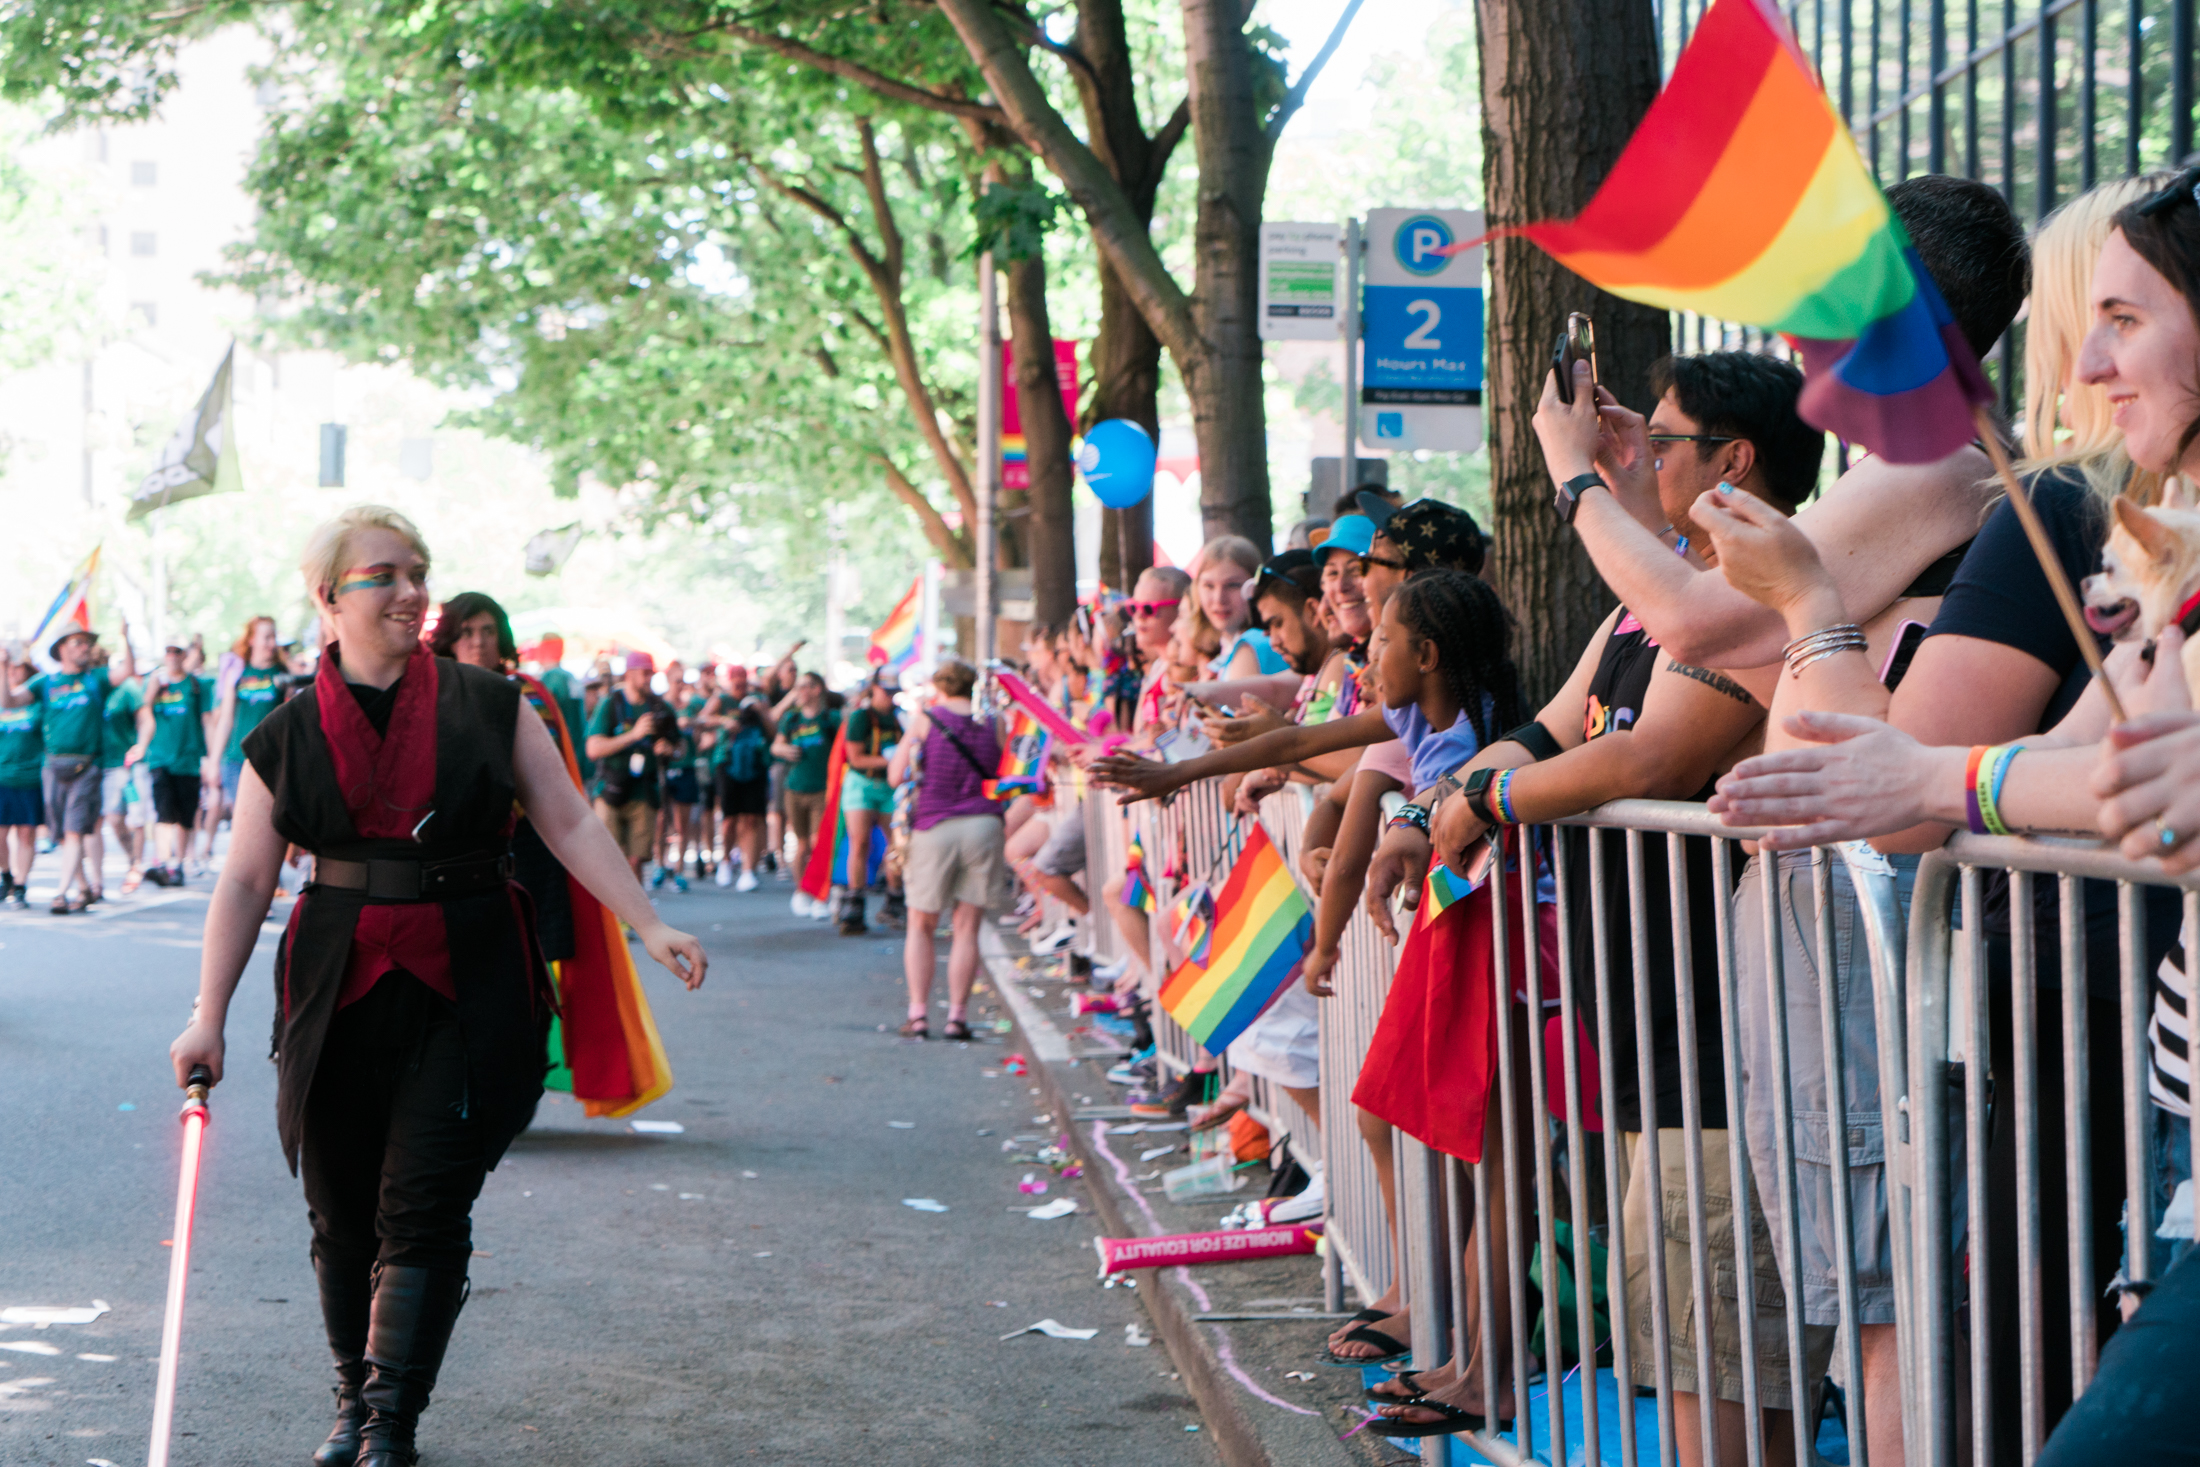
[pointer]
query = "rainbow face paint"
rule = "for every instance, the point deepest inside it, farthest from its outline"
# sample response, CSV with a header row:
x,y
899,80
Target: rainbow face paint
x,y
366,578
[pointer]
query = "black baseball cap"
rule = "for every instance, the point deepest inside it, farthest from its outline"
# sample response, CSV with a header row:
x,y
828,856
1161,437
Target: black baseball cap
x,y
1430,534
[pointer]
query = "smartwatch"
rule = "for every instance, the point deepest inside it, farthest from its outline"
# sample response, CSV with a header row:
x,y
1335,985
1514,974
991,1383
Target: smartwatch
x,y
1478,795
1570,492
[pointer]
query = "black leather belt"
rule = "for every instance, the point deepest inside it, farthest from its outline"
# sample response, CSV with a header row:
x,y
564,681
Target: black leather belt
x,y
415,881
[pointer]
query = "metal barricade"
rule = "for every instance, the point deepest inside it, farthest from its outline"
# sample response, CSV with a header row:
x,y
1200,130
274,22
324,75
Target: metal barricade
x,y
1960,1057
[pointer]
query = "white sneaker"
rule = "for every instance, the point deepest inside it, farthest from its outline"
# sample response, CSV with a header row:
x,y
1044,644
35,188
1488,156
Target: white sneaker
x,y
821,911
799,904
748,882
1108,973
1061,937
725,873
1303,1207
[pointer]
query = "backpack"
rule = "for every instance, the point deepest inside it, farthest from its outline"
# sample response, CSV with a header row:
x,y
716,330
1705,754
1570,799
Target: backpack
x,y
745,755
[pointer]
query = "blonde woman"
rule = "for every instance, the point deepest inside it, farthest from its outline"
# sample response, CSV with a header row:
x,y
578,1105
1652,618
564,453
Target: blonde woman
x,y
1219,575
410,1042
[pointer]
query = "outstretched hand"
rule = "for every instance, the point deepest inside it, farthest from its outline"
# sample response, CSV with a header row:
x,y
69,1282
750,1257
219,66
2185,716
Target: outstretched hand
x,y
680,955
1857,778
1146,779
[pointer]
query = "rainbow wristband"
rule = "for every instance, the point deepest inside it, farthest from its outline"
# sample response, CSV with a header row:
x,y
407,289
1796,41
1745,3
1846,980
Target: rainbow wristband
x,y
1974,817
1991,774
1502,792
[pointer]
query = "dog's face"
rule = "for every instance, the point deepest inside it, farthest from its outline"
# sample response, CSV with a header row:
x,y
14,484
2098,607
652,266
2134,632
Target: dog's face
x,y
2150,567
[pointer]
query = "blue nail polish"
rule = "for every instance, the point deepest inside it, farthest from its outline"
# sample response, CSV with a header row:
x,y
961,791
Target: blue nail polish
x,y
1725,488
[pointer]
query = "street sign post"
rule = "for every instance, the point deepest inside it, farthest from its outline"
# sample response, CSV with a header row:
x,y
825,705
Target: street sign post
x,y
1298,282
1421,331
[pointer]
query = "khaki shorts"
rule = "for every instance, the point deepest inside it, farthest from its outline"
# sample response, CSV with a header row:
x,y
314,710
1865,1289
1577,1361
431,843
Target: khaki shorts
x,y
1774,1388
805,813
633,826
956,860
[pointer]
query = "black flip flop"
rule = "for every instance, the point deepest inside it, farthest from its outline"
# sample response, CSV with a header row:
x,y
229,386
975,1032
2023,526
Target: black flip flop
x,y
1366,1335
1407,1376
1455,1420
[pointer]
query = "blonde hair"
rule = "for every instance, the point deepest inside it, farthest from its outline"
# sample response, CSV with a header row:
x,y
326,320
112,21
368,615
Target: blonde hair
x,y
328,547
1240,552
2066,422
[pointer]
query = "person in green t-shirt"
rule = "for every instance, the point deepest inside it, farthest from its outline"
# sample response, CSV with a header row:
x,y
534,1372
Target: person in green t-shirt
x,y
805,747
866,799
22,802
123,792
630,735
172,737
566,688
254,692
72,703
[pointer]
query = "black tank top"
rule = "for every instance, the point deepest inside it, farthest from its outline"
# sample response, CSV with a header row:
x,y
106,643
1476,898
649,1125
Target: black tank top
x,y
1622,679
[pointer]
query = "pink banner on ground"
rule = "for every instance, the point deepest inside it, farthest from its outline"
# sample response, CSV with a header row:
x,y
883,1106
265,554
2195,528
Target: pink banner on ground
x,y
1119,1255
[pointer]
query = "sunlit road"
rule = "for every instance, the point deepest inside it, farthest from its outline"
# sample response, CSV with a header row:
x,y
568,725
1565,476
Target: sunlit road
x,y
751,1289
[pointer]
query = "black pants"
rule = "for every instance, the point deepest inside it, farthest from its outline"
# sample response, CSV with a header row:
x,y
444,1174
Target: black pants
x,y
392,1160
2139,1407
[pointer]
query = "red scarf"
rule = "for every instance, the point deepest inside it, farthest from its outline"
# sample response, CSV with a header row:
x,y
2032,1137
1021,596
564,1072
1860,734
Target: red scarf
x,y
387,780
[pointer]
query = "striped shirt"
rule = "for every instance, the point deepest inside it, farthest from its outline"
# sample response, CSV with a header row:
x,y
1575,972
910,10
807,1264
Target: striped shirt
x,y
2169,1032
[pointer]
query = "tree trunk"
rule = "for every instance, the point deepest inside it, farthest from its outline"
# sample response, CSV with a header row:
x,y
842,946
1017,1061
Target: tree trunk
x,y
1126,367
1229,413
1046,444
1564,82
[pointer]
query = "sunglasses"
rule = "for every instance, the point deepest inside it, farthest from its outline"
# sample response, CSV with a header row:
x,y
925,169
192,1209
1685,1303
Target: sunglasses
x,y
2185,185
1152,608
1692,438
1381,560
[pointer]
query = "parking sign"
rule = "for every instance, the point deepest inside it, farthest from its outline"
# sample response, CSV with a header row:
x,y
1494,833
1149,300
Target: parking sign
x,y
1421,331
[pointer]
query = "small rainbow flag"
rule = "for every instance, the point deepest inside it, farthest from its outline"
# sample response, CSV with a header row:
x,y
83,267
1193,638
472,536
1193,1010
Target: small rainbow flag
x,y
1742,196
73,605
1193,913
898,641
1262,930
1023,767
1138,892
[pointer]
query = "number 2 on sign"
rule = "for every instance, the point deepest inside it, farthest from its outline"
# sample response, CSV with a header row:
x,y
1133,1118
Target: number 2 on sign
x,y
1418,339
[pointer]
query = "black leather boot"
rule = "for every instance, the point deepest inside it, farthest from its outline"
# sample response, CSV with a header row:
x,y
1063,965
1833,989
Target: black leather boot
x,y
851,914
344,1302
414,1309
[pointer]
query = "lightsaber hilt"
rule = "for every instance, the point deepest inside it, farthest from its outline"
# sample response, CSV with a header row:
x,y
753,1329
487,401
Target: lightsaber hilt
x,y
196,1087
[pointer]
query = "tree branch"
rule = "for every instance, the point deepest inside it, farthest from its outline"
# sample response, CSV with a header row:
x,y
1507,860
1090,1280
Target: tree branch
x,y
1116,227
1296,97
1165,141
863,76
874,187
951,546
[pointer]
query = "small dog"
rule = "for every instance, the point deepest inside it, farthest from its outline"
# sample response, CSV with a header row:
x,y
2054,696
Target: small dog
x,y
2150,575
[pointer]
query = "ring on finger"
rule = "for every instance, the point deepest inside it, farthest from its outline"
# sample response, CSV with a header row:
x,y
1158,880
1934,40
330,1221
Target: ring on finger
x,y
2166,837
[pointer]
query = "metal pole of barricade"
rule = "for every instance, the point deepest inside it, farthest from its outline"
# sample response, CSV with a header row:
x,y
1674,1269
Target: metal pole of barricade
x,y
1699,1222
2024,985
1577,1162
1546,1207
1837,1154
1929,1403
1739,1184
1648,1160
1976,1081
1789,1241
1420,1211
1516,1264
2138,995
1615,1143
2085,1346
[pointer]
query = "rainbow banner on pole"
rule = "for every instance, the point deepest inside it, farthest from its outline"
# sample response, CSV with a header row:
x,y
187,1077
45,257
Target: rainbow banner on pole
x,y
1261,932
73,606
1742,196
898,641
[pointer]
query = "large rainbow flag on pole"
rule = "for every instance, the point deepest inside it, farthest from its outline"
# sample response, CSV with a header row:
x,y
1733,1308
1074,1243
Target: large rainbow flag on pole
x,y
1261,932
828,866
1742,196
898,641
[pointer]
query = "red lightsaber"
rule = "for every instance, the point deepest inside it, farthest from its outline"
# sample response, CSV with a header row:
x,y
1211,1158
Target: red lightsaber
x,y
194,1119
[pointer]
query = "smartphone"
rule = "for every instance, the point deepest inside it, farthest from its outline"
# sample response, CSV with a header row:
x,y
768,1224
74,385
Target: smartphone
x,y
1577,343
1906,639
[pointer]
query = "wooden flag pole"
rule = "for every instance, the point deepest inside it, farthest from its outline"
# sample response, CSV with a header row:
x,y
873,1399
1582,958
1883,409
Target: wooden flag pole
x,y
1989,437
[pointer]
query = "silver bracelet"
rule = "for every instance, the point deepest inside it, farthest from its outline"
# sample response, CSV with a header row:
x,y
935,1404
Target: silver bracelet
x,y
1803,651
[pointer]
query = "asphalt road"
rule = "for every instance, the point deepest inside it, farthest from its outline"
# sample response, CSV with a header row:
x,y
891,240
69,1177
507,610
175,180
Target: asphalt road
x,y
751,1289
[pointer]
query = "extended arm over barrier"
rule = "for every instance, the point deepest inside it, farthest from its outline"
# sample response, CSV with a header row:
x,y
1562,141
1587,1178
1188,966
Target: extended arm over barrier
x,y
1913,1102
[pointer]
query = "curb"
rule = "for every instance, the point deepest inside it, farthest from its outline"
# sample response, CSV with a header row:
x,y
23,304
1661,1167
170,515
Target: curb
x,y
1238,1440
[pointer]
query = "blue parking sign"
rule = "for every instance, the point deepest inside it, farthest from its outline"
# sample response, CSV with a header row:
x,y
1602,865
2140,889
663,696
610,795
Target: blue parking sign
x,y
1421,329
1424,344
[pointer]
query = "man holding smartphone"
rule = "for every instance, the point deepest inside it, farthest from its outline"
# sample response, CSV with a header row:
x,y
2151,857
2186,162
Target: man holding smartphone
x,y
630,735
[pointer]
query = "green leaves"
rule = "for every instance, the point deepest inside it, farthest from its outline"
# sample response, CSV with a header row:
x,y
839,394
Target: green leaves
x,y
1013,220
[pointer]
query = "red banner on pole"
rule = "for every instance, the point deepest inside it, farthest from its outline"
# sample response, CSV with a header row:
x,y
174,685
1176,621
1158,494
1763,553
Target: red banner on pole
x,y
1015,472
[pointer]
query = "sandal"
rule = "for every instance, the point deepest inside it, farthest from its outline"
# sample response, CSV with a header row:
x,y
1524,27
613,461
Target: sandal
x,y
955,1029
132,881
1368,1335
62,906
1403,1377
916,1029
1455,1418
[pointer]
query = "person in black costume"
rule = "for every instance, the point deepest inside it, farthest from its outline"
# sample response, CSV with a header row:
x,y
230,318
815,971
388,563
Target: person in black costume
x,y
412,1002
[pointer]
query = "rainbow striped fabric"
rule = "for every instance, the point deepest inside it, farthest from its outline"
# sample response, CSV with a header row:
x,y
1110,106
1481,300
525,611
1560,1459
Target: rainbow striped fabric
x,y
1023,766
1743,197
1138,893
1262,930
1192,917
73,607
898,641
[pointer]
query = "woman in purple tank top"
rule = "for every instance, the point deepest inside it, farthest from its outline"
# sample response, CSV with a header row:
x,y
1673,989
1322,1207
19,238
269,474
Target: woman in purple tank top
x,y
955,844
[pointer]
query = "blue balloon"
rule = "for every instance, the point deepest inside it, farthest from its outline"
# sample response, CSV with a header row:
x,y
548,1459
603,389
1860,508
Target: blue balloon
x,y
1117,462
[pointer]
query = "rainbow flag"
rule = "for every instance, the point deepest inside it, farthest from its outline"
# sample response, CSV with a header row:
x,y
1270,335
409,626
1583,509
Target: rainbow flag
x,y
1138,893
1262,930
828,866
73,606
1742,196
1193,916
1023,767
898,641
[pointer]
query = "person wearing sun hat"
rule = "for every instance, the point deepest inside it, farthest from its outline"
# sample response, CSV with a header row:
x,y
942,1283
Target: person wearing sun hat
x,y
72,707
